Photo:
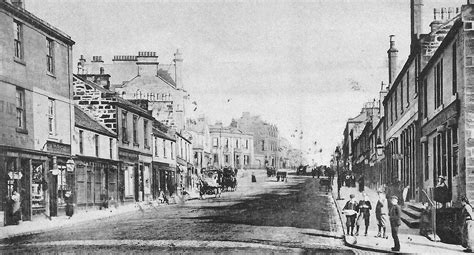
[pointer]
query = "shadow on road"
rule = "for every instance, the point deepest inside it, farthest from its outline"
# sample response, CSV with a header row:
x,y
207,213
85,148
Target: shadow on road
x,y
300,206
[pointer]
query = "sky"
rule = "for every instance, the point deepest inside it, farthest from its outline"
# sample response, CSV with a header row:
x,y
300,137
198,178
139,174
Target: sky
x,y
302,65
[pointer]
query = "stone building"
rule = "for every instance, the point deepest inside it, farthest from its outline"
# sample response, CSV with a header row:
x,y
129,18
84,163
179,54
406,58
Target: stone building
x,y
265,139
201,139
36,112
446,105
133,126
353,129
231,147
141,76
97,167
164,160
186,174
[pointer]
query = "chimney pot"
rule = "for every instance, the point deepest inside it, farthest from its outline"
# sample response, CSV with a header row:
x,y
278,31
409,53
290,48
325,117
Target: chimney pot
x,y
443,12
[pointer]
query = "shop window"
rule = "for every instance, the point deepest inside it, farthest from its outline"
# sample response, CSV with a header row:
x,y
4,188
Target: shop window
x,y
39,186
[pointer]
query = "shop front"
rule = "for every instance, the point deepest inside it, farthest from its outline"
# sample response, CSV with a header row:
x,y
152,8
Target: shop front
x,y
163,179
128,176
38,179
96,183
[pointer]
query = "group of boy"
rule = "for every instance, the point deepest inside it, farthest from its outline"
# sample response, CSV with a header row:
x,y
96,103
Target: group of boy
x,y
361,211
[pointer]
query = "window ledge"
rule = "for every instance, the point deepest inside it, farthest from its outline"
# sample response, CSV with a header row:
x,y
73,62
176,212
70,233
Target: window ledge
x,y
22,130
19,61
136,144
125,142
147,147
50,74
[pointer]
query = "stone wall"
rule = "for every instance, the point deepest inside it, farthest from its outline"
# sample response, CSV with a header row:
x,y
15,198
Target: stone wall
x,y
97,103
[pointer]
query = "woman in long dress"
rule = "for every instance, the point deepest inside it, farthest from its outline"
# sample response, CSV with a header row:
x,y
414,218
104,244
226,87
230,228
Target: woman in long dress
x,y
468,226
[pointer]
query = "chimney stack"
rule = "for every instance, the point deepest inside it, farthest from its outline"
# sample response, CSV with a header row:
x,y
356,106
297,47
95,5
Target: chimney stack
x,y
416,7
392,61
437,22
178,71
18,3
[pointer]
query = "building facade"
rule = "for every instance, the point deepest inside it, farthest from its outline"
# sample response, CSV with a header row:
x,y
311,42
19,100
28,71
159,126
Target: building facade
x,y
36,111
164,161
231,147
133,126
142,77
265,138
95,153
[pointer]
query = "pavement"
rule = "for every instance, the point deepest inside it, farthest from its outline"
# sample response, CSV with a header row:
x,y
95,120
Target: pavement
x,y
410,239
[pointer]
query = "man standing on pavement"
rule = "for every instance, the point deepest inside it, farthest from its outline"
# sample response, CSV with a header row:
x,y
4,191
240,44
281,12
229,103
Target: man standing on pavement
x,y
395,222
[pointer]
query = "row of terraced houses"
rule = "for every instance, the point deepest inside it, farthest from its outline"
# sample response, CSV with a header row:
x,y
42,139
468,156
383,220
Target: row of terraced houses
x,y
421,127
106,131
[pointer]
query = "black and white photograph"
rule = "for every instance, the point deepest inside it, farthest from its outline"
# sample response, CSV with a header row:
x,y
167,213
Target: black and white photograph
x,y
236,126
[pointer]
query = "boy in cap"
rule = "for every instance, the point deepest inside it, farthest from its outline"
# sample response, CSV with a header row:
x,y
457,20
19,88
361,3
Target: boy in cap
x,y
395,222
350,210
364,208
381,214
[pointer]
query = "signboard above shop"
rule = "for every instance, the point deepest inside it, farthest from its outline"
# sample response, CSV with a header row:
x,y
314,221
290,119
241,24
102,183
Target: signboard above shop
x,y
60,148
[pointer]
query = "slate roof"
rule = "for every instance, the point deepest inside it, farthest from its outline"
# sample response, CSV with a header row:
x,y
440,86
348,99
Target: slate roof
x,y
83,120
162,134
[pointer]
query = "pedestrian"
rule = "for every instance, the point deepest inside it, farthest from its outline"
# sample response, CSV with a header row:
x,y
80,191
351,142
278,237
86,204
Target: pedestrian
x,y
381,214
254,179
16,212
69,203
313,172
395,222
442,192
364,208
468,225
350,210
361,182
318,172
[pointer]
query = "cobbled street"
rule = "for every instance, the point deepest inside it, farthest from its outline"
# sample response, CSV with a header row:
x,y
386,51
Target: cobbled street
x,y
262,217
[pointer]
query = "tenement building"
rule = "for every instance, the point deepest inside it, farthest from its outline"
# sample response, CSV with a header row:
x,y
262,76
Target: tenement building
x,y
36,112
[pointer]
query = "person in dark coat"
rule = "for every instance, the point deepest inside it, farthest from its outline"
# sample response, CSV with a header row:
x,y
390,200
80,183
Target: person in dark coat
x,y
69,203
350,210
395,222
363,208
381,214
361,184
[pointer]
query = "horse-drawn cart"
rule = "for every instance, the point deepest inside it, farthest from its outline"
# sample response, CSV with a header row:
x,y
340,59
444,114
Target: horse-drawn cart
x,y
325,182
281,175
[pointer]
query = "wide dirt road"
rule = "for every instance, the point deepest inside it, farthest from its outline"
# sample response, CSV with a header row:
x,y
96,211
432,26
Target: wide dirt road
x,y
263,217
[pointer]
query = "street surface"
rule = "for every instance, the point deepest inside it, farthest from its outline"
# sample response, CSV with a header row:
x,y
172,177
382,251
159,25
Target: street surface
x,y
263,217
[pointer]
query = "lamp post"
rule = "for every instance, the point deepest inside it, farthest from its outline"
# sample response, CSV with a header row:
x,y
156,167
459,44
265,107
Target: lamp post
x,y
337,153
